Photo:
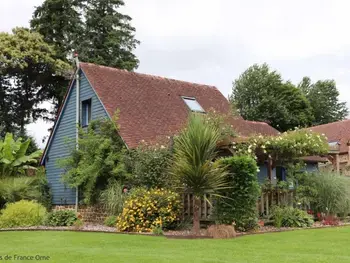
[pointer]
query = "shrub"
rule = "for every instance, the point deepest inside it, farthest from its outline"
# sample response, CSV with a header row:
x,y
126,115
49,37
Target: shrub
x,y
291,217
325,192
22,214
61,218
112,198
14,189
239,206
157,230
148,166
145,210
110,221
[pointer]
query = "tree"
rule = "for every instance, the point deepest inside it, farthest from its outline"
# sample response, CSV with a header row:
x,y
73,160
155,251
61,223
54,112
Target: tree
x,y
28,69
193,167
59,21
324,99
108,37
94,29
261,95
98,160
13,158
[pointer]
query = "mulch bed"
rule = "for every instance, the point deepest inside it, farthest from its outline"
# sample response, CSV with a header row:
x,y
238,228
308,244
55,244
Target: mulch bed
x,y
184,234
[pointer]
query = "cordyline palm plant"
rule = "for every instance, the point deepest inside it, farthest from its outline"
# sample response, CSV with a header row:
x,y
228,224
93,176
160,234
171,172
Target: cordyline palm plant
x,y
13,158
193,167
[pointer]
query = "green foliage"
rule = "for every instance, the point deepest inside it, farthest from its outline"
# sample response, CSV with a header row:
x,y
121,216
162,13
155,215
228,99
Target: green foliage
x,y
22,214
287,147
333,193
112,198
324,99
148,166
13,158
61,218
95,28
194,151
13,189
42,185
97,161
290,217
158,231
193,169
146,209
110,221
29,71
261,95
239,202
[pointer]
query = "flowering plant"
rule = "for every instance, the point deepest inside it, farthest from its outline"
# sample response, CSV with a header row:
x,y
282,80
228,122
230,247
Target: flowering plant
x,y
145,210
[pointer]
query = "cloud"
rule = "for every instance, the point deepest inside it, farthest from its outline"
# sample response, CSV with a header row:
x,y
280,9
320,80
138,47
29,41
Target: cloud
x,y
213,42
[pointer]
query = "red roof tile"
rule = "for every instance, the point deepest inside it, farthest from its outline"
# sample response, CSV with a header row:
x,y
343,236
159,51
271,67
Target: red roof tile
x,y
152,107
336,132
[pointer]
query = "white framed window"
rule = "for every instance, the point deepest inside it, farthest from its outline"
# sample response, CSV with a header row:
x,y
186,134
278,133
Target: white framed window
x,y
193,104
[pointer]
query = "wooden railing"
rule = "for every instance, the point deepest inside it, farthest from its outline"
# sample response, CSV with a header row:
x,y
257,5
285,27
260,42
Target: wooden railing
x,y
205,209
274,197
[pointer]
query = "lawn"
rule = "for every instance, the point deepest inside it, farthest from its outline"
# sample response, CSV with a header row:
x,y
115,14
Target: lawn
x,y
326,245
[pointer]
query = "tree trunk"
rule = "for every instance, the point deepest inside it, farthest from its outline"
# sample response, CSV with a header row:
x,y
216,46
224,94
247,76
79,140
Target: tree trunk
x,y
196,219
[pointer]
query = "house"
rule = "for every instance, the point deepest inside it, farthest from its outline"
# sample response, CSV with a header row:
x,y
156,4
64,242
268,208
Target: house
x,y
338,134
150,107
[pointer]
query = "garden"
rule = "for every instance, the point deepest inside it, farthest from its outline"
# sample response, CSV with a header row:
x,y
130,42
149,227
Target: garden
x,y
143,190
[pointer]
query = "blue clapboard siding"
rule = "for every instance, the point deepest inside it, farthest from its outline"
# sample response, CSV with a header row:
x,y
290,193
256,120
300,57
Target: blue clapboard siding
x,y
63,140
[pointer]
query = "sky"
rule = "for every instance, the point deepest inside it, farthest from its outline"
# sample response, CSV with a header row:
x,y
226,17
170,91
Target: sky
x,y
213,42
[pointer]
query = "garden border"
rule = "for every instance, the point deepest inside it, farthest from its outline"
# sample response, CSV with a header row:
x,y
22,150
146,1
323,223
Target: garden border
x,y
239,234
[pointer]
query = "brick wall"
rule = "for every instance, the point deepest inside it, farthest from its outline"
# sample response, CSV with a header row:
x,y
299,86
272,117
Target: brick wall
x,y
90,214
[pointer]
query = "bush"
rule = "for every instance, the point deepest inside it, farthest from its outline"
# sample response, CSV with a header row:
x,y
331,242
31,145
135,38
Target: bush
x,y
22,214
148,166
239,203
112,198
110,221
291,217
325,192
61,218
145,210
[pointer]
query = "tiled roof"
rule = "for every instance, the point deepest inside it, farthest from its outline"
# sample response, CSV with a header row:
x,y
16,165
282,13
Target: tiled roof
x,y
152,107
336,132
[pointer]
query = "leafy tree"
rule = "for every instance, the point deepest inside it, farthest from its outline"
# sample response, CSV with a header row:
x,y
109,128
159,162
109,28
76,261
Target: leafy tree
x,y
94,28
193,167
97,161
13,158
324,99
108,37
261,95
28,69
60,22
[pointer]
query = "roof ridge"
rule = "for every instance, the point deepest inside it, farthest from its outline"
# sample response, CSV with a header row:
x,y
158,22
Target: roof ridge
x,y
328,124
150,75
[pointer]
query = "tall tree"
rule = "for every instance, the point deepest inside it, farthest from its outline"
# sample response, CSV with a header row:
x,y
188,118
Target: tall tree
x,y
28,68
261,95
109,37
93,28
60,22
324,99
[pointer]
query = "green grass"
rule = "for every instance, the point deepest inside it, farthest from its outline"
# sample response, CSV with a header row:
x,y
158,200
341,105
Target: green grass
x,y
326,245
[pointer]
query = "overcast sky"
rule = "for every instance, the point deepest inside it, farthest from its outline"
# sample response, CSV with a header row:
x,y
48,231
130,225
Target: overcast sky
x,y
212,42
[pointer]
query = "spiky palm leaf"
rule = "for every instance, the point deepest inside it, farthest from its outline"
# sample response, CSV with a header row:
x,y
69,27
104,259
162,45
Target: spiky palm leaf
x,y
194,152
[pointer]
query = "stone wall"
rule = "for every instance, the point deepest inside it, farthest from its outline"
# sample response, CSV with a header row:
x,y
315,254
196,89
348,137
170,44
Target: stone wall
x,y
90,214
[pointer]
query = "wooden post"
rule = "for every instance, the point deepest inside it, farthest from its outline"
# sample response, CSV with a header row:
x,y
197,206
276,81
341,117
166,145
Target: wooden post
x,y
262,203
269,168
337,163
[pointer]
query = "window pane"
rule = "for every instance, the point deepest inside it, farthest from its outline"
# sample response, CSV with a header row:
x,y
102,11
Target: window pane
x,y
193,104
85,112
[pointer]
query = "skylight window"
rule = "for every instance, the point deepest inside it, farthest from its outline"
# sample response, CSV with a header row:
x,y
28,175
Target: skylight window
x,y
193,104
